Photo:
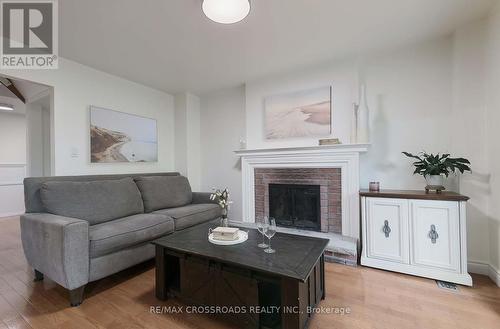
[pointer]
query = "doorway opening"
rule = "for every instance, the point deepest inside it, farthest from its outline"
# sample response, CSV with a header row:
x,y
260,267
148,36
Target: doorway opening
x,y
26,121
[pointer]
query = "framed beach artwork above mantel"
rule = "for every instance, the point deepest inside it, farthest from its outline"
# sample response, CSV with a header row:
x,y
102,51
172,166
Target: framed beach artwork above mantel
x,y
306,113
122,137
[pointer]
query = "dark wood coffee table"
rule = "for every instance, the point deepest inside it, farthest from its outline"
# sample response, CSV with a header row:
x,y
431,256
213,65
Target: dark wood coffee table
x,y
255,289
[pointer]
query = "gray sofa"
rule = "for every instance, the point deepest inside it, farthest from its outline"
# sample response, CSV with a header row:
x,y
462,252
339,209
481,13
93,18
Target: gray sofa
x,y
78,229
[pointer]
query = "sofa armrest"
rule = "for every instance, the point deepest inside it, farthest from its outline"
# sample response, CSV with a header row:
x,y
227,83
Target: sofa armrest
x,y
202,197
58,247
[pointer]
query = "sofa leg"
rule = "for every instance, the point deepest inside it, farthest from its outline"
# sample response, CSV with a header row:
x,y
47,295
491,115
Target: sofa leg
x,y
38,276
76,296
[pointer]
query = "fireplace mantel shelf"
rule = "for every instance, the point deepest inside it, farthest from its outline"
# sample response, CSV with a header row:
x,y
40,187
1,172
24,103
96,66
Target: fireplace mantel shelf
x,y
360,148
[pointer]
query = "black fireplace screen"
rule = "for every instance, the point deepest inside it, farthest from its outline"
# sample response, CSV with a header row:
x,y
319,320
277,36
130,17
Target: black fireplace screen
x,y
294,205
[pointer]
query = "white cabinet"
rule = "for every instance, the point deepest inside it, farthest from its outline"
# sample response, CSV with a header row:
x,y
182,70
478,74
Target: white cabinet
x,y
416,233
387,226
435,234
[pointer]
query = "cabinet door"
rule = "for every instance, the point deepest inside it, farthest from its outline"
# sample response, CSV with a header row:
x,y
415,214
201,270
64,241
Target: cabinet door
x,y
435,234
387,229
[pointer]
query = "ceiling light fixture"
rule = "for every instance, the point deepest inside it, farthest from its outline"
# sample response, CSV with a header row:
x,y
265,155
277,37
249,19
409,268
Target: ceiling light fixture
x,y
6,107
226,11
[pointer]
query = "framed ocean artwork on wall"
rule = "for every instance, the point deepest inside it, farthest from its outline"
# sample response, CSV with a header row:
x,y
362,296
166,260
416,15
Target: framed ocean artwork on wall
x,y
122,137
306,113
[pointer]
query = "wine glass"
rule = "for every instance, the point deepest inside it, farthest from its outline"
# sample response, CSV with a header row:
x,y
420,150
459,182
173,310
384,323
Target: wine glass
x,y
270,232
262,225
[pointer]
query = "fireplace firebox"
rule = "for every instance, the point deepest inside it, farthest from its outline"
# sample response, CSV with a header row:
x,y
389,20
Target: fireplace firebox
x,y
295,205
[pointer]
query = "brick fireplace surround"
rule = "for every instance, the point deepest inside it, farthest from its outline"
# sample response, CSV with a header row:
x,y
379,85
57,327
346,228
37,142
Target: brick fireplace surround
x,y
329,180
343,159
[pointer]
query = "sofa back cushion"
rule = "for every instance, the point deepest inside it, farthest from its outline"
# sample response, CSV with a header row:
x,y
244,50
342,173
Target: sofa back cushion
x,y
94,201
33,185
160,192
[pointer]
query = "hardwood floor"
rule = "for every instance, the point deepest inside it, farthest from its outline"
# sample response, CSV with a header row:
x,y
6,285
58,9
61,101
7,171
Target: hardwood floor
x,y
377,299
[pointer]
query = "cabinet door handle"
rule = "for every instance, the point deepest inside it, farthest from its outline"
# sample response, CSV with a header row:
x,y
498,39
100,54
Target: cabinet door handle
x,y
433,234
386,229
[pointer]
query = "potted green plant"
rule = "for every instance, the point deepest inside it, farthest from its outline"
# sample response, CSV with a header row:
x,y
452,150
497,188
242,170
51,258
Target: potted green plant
x,y
435,167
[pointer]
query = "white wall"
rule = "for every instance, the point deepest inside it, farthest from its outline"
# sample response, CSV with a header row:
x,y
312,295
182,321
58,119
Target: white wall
x,y
469,137
13,132
35,145
76,87
222,126
46,136
493,136
193,128
476,85
409,96
187,138
12,137
38,139
12,158
180,103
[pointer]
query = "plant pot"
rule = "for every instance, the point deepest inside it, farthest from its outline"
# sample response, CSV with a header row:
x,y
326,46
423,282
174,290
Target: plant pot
x,y
434,182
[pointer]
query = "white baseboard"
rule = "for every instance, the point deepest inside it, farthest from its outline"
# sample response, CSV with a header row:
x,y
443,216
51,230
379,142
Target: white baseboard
x,y
478,268
495,275
484,269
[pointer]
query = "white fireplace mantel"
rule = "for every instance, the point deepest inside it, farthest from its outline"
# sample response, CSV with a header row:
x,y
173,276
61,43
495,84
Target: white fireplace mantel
x,y
343,156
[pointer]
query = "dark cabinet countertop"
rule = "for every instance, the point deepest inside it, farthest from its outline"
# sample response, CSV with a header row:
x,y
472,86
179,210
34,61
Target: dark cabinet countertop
x,y
414,194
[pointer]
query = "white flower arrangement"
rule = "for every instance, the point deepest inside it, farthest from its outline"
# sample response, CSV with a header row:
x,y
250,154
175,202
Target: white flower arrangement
x,y
222,198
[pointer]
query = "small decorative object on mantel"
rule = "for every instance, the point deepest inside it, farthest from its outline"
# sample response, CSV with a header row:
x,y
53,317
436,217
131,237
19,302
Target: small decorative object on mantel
x,y
354,123
434,168
329,141
243,144
222,198
362,121
374,187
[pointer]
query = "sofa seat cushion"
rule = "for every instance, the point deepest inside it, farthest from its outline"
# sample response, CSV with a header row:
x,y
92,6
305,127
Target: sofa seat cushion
x,y
94,201
192,214
126,232
159,192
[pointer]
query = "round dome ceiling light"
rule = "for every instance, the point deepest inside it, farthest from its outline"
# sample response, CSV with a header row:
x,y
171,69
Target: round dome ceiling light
x,y
226,11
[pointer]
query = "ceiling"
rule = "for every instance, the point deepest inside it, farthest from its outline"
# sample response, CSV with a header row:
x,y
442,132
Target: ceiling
x,y
4,92
169,44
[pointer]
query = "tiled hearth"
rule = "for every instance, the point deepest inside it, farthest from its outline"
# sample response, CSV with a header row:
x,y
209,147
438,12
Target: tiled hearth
x,y
328,180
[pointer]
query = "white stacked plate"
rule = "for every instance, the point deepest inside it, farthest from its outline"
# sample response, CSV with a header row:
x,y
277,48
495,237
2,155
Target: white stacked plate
x,y
242,237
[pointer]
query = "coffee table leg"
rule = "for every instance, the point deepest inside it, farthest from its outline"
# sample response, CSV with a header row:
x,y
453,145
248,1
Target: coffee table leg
x,y
296,296
322,268
293,298
160,274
